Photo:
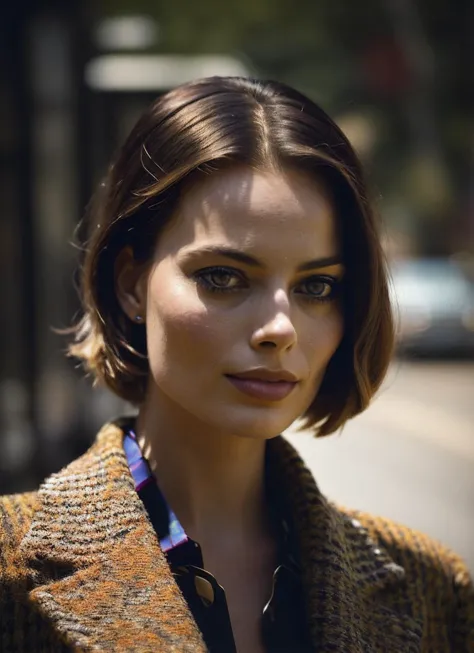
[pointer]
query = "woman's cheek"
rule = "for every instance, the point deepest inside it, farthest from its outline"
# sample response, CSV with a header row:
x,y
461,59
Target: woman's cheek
x,y
186,319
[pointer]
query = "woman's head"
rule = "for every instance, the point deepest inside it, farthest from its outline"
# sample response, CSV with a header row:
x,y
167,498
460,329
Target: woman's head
x,y
255,167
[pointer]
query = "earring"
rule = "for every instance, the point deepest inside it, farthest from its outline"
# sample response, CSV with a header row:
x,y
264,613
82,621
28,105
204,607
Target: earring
x,y
138,318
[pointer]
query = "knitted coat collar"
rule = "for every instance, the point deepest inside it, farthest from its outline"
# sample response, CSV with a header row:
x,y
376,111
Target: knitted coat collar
x,y
99,576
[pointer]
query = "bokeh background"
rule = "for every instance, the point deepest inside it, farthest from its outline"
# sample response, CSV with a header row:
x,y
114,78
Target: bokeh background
x,y
395,74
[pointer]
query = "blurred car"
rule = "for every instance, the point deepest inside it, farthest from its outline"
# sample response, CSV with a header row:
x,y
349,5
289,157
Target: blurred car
x,y
434,307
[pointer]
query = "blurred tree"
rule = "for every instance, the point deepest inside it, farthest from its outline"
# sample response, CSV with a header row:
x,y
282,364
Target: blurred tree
x,y
400,63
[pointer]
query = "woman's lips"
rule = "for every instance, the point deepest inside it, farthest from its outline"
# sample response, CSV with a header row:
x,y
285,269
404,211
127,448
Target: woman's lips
x,y
269,390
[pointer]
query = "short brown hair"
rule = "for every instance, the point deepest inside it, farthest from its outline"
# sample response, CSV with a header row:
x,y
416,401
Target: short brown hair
x,y
199,128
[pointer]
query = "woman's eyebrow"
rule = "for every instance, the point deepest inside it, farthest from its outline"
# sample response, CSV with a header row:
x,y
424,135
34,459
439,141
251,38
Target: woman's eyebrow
x,y
241,257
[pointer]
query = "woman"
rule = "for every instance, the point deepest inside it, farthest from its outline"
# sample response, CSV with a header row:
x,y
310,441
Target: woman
x,y
233,282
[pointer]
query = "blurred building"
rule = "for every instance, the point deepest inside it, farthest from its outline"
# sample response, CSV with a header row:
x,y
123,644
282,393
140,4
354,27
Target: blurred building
x,y
40,102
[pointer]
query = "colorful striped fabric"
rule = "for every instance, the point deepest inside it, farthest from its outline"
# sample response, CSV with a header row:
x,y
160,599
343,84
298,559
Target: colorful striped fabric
x,y
142,476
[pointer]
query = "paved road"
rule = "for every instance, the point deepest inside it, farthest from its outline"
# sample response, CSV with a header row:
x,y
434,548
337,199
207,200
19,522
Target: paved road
x,y
410,456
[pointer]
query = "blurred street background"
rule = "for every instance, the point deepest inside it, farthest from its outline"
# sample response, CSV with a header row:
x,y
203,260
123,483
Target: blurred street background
x,y
395,75
410,456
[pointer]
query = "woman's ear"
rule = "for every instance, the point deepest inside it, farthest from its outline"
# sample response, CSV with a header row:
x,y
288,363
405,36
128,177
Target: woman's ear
x,y
131,285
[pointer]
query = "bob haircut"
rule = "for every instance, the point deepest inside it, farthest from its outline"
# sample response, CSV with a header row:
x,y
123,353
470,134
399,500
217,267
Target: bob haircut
x,y
200,128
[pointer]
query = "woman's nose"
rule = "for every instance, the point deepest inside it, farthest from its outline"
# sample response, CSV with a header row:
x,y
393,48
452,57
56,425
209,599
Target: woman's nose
x,y
278,330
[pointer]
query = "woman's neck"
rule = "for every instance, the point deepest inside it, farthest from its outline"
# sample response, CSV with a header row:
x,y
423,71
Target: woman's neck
x,y
214,481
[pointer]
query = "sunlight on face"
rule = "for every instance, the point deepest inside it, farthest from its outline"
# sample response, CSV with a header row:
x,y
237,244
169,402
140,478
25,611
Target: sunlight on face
x,y
247,275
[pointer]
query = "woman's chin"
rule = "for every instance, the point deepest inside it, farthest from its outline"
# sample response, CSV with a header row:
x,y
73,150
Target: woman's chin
x,y
258,426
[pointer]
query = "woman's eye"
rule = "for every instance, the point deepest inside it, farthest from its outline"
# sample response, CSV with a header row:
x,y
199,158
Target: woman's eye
x,y
319,288
219,279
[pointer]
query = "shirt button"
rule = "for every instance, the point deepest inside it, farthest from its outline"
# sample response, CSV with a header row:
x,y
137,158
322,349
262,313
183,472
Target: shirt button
x,y
204,590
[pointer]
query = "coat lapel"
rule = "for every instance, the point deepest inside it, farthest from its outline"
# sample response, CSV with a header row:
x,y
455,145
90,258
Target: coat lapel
x,y
354,591
100,577
99,574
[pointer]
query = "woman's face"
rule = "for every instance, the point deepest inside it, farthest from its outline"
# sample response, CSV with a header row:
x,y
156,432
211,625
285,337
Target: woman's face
x,y
247,275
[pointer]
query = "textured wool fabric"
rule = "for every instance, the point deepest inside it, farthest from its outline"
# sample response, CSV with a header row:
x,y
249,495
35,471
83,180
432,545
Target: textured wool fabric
x,y
81,569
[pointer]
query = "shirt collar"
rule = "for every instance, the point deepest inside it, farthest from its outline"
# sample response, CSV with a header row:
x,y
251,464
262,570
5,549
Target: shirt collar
x,y
170,532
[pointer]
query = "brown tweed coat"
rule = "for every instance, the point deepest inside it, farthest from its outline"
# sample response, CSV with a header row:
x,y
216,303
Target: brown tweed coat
x,y
81,570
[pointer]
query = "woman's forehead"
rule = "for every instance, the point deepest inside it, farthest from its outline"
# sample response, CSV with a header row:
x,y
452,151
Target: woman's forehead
x,y
256,211
258,191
